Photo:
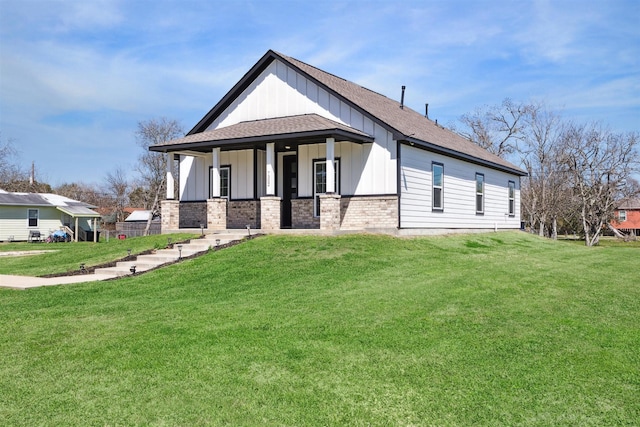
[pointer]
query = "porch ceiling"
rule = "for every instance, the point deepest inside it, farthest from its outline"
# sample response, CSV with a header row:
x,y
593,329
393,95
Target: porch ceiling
x,y
290,131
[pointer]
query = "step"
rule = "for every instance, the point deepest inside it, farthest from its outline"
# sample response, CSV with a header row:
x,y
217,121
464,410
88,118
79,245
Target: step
x,y
115,271
139,264
163,256
227,237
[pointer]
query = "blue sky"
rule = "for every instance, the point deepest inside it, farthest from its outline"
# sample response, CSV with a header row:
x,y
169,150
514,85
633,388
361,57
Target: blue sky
x,y
76,76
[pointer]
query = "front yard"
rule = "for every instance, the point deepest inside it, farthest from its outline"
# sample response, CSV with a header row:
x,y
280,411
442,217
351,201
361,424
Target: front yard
x,y
495,329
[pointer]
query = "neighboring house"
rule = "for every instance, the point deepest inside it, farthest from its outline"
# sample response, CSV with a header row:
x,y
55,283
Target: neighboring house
x,y
627,217
33,216
292,146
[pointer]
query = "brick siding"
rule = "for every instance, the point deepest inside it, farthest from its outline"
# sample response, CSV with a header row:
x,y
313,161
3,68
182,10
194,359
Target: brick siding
x,y
192,214
302,214
359,212
243,213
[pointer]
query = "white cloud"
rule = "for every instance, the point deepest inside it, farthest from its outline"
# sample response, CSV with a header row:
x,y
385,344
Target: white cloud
x,y
119,62
88,14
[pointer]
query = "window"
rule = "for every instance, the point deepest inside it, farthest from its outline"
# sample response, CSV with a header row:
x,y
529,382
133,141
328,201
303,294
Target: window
x,y
479,193
437,171
512,198
622,216
225,181
33,217
320,182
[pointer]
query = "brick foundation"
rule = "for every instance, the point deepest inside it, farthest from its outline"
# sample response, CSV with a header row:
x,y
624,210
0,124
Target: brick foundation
x,y
360,212
302,214
242,213
192,214
337,213
270,213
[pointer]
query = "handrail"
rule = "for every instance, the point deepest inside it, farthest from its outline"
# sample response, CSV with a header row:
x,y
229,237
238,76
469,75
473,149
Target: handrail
x,y
68,231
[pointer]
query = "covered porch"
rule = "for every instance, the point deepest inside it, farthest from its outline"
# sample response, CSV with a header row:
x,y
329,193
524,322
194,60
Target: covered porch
x,y
76,218
272,174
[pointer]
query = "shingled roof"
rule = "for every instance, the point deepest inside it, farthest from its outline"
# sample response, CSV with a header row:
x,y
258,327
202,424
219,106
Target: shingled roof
x,y
406,124
64,204
632,203
301,127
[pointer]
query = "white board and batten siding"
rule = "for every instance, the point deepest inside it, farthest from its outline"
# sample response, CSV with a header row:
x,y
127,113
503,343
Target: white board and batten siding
x,y
195,179
459,194
281,91
364,168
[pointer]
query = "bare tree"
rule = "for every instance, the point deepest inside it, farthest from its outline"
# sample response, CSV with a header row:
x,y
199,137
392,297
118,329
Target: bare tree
x,y
117,185
138,197
497,129
599,165
152,165
545,189
11,175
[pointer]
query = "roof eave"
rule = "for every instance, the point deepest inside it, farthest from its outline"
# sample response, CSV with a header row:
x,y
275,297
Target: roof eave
x,y
338,134
79,215
462,156
35,205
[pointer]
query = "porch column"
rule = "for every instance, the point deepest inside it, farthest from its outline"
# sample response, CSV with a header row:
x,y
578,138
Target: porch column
x,y
270,205
271,169
170,177
95,230
75,233
330,202
331,177
215,174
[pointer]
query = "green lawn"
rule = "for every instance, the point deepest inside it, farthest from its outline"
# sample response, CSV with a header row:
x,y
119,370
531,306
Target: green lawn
x,y
499,329
65,257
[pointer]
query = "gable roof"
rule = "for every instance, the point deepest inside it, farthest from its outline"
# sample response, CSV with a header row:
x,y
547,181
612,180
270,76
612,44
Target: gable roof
x,y
405,124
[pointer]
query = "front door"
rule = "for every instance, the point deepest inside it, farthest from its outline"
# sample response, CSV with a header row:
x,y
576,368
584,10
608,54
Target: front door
x,y
289,187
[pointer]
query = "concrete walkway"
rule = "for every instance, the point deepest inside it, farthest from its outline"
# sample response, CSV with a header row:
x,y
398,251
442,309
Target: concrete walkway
x,y
26,282
142,263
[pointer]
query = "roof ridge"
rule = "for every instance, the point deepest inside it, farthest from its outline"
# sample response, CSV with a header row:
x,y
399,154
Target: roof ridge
x,y
332,75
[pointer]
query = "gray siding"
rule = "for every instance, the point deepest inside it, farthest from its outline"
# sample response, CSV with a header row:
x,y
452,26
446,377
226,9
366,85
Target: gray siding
x,y
458,194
